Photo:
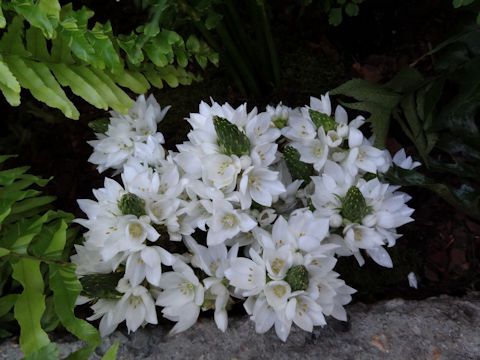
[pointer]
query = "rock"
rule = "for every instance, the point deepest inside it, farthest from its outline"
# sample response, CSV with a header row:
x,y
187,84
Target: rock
x,y
435,328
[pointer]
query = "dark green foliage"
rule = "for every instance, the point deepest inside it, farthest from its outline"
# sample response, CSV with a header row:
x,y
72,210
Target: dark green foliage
x,y
298,169
99,126
230,139
39,287
297,278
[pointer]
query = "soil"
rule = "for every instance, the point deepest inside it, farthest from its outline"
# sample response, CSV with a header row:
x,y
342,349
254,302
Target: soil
x,y
442,246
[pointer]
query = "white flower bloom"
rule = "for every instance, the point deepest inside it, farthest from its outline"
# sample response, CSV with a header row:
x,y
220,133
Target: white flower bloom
x,y
259,185
146,263
182,296
249,276
401,160
125,132
227,222
221,171
107,310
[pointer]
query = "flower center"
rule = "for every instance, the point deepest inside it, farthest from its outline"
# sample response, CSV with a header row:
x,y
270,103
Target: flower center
x,y
279,291
135,230
229,221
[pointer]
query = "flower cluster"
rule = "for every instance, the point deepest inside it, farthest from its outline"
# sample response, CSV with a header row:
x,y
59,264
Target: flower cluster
x,y
254,207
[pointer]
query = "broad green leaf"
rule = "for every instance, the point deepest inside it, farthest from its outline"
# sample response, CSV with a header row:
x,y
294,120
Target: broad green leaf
x,y
83,353
8,176
128,43
406,80
351,9
32,203
464,198
379,119
20,234
410,111
3,252
156,54
48,352
335,16
50,241
12,41
363,90
133,80
6,303
111,354
4,158
3,22
167,73
66,287
212,20
9,84
50,319
30,305
154,77
5,208
37,78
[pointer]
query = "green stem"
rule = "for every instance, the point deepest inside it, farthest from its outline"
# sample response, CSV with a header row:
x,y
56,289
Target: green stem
x,y
270,43
39,258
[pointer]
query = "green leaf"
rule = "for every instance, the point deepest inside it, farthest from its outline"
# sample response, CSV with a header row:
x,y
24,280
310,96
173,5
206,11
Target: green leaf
x,y
83,353
457,3
464,198
6,303
28,204
48,352
8,176
50,242
37,78
50,7
19,235
111,354
133,80
351,9
230,139
379,119
212,20
4,158
363,90
99,38
50,319
335,16
3,252
3,22
66,287
34,14
9,84
30,305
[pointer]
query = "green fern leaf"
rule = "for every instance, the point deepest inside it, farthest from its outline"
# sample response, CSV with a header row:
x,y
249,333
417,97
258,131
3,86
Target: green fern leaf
x,y
66,288
3,22
133,80
36,16
67,76
124,101
9,84
37,78
50,7
100,38
30,305
36,44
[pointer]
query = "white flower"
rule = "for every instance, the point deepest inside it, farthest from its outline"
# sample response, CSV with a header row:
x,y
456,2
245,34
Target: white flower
x,y
401,160
136,307
114,148
227,222
259,185
182,296
107,310
249,276
221,171
146,263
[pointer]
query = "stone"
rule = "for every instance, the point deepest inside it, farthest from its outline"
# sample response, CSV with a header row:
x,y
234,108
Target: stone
x,y
435,328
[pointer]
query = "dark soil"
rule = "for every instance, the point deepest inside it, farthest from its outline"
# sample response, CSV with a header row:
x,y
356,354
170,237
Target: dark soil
x,y
442,246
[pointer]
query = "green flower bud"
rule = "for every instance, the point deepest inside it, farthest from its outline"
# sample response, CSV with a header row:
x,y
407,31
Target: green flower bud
x,y
230,139
322,120
297,278
280,123
101,285
131,204
354,207
100,126
297,168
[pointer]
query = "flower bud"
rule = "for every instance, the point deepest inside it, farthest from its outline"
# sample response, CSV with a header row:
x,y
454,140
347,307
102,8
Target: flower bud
x,y
335,221
131,204
297,278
